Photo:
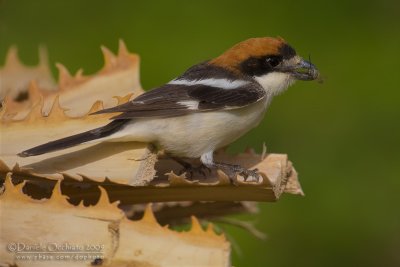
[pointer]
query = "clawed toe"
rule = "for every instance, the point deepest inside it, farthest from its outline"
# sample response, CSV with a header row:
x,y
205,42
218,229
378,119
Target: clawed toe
x,y
231,170
247,174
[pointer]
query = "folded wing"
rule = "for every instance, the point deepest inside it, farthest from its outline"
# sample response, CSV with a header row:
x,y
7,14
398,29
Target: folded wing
x,y
183,97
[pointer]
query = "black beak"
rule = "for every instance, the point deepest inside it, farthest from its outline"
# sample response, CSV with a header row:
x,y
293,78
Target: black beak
x,y
304,71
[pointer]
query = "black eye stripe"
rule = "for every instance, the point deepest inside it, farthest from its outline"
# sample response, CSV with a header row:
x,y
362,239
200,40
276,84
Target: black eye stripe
x,y
274,61
257,66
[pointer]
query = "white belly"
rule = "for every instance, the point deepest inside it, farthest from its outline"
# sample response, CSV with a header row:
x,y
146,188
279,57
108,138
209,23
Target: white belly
x,y
194,134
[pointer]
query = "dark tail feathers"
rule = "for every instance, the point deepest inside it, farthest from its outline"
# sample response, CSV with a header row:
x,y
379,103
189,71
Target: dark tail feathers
x,y
76,139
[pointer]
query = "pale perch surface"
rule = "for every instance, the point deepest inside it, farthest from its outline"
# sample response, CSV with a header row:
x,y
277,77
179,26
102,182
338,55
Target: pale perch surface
x,y
117,240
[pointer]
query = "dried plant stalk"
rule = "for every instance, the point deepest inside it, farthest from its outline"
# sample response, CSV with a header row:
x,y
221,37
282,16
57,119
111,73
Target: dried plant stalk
x,y
123,242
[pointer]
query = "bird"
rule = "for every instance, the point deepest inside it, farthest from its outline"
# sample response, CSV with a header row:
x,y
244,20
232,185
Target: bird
x,y
206,108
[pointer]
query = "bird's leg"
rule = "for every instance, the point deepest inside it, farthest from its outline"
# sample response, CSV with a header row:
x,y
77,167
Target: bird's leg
x,y
230,169
190,169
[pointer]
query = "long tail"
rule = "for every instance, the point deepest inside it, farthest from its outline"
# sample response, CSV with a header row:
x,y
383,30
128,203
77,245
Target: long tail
x,y
76,139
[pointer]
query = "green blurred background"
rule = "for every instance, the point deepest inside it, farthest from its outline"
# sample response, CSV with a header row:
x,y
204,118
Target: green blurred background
x,y
342,135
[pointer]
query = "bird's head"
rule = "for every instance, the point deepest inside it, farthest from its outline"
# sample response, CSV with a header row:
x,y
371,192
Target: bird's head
x,y
270,61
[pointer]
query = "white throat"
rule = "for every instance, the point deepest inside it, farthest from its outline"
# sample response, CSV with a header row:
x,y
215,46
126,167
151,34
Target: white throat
x,y
275,82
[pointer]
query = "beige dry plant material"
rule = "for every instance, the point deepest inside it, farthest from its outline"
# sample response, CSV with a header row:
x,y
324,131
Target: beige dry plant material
x,y
101,230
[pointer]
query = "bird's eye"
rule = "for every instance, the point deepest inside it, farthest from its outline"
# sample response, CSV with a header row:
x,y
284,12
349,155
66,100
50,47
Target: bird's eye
x,y
274,61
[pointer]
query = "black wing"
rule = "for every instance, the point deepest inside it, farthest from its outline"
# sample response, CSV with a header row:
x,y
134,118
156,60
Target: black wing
x,y
173,100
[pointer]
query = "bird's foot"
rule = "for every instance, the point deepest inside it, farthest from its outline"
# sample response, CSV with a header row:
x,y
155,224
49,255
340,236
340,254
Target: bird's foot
x,y
250,175
191,170
231,169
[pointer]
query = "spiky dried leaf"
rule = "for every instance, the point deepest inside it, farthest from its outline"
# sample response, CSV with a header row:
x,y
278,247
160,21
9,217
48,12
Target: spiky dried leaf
x,y
26,221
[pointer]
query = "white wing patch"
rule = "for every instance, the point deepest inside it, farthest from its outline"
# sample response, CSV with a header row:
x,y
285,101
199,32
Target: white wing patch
x,y
218,83
190,104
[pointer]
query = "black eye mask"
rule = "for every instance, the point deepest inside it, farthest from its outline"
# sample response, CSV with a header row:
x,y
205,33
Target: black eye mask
x,y
258,66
